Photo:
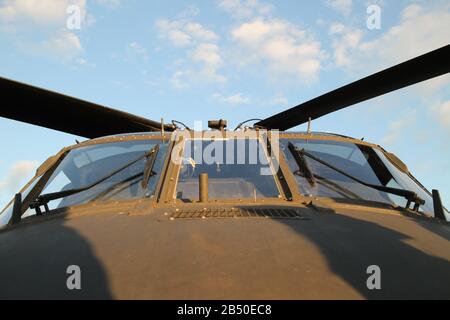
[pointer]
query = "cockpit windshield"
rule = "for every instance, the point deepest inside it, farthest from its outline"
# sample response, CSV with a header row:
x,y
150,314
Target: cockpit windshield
x,y
362,162
86,166
237,169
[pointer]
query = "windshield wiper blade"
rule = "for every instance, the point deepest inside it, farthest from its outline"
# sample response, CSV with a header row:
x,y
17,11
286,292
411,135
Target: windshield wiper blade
x,y
148,169
130,180
44,199
336,187
303,167
410,196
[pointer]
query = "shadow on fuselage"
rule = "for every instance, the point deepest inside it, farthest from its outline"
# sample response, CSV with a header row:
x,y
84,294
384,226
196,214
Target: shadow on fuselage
x,y
35,259
408,270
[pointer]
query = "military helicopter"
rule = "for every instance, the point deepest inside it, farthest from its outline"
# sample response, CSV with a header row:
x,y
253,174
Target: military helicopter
x,y
141,216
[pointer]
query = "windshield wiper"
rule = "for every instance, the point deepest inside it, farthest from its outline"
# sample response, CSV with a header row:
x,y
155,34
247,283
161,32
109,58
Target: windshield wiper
x,y
128,182
410,196
147,173
44,199
148,169
303,167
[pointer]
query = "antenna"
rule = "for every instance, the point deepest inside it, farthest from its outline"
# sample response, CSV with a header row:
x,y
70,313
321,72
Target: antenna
x,y
162,130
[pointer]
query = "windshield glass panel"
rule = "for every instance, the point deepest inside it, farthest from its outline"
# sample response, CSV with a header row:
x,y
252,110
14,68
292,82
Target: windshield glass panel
x,y
6,214
406,181
86,165
236,168
360,161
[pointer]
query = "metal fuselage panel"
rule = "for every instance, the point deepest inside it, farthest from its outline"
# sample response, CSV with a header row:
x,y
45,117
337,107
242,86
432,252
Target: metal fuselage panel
x,y
147,255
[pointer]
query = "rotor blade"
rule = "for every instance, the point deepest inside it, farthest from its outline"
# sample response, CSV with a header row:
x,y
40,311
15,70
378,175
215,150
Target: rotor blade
x,y
52,110
421,68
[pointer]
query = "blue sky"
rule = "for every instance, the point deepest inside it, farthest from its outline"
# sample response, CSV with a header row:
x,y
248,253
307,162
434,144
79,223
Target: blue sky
x,y
231,59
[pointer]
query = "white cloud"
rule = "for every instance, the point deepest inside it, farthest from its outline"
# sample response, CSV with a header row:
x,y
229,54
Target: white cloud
x,y
43,12
442,114
18,173
209,59
433,86
245,8
173,31
201,49
83,62
121,84
40,25
109,3
179,38
191,11
397,127
184,33
64,43
177,80
419,31
183,78
345,40
343,6
139,50
197,31
337,28
234,99
284,47
279,101
207,53
411,11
